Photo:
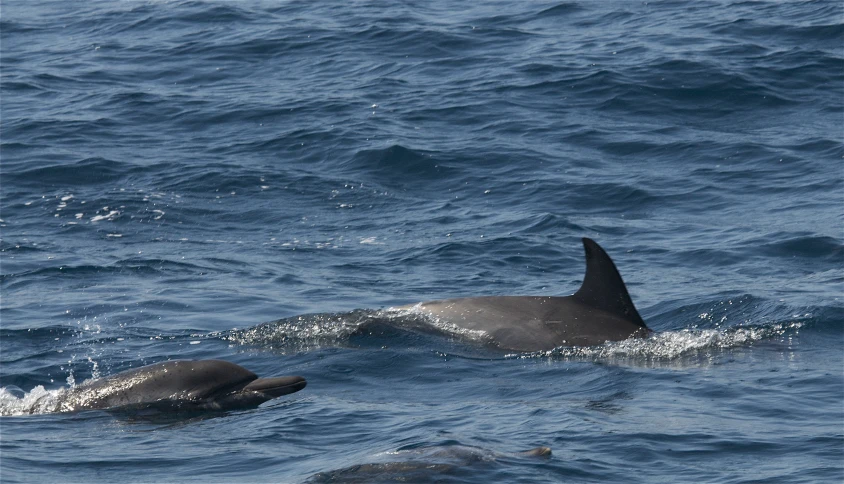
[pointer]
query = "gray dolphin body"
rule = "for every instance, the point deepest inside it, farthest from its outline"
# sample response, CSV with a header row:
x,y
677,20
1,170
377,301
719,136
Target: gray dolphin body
x,y
601,310
180,384
425,464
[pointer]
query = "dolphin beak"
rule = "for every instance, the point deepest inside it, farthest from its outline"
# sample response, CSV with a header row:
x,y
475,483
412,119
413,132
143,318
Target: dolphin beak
x,y
278,386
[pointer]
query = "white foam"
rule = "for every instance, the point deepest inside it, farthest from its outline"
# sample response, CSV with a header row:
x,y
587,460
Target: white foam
x,y
299,333
110,215
670,345
37,401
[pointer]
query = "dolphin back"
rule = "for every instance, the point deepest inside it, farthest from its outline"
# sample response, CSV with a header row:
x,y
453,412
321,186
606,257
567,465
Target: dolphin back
x,y
177,380
600,311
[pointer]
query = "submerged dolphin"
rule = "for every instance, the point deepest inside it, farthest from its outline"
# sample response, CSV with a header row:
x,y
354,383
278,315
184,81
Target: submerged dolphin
x,y
426,464
180,384
601,310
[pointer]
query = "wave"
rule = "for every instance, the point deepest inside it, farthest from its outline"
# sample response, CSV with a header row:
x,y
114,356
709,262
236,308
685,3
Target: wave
x,y
138,266
397,165
92,170
807,247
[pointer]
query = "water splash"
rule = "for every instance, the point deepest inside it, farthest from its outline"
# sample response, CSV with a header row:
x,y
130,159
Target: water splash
x,y
300,333
671,345
14,401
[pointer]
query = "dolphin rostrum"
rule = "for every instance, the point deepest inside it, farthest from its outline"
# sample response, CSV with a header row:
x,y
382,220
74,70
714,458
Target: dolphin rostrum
x,y
601,310
180,384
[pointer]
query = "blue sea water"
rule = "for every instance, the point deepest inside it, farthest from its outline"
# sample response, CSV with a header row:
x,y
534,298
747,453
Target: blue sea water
x,y
252,181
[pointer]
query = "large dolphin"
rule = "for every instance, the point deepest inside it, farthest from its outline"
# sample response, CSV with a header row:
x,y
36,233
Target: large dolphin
x,y
601,310
180,384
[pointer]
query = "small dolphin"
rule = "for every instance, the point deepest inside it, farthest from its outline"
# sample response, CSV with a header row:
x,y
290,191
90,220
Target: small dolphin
x,y
601,310
182,385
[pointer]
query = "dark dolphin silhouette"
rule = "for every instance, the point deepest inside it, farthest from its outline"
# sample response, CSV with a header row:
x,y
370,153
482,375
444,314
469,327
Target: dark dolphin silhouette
x,y
601,310
181,385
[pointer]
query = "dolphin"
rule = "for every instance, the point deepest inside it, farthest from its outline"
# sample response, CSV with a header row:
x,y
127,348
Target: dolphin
x,y
425,464
180,385
601,310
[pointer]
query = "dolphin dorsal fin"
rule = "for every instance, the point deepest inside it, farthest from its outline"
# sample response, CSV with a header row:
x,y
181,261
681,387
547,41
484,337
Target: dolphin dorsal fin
x,y
603,287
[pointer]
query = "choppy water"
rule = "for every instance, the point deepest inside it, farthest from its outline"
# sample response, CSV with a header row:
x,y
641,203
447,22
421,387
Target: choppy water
x,y
178,176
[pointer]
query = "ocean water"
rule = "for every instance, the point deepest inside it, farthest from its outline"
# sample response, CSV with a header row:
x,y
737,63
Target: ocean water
x,y
253,181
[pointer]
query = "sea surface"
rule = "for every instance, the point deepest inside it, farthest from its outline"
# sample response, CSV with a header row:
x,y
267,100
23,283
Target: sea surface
x,y
253,181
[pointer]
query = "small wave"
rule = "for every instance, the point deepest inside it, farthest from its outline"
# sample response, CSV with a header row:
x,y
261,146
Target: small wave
x,y
809,247
621,195
19,247
83,172
134,265
561,10
397,164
